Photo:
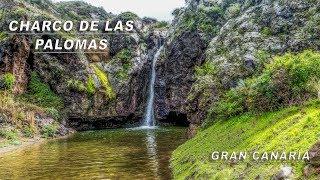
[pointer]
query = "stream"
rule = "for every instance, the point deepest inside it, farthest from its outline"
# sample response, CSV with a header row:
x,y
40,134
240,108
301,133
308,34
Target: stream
x,y
108,154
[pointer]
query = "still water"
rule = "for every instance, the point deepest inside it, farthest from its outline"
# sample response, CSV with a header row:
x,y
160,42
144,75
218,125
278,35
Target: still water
x,y
108,154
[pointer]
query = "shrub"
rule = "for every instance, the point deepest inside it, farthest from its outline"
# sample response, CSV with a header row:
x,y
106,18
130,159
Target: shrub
x,y
127,16
28,131
91,88
231,105
124,56
9,134
176,11
3,36
233,10
161,24
266,31
52,112
9,81
263,58
41,94
207,68
76,85
49,130
207,19
215,11
286,80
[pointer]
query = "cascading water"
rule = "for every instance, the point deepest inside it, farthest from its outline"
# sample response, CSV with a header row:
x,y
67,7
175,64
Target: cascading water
x,y
149,119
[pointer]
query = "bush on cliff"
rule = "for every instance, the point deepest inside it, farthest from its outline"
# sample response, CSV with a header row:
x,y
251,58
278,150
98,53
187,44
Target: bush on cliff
x,y
41,94
91,88
19,116
286,80
76,85
123,58
104,80
161,25
3,36
9,80
206,19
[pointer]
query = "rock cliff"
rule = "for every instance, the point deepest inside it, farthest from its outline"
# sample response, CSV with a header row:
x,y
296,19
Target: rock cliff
x,y
210,47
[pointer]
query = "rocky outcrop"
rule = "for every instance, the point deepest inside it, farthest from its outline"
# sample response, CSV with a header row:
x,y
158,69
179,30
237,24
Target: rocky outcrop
x,y
14,59
226,35
119,76
247,30
175,73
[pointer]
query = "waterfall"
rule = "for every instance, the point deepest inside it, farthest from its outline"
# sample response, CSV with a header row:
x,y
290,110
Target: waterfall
x,y
149,119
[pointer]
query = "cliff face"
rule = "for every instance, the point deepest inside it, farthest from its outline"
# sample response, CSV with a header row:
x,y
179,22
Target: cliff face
x,y
175,75
214,45
110,87
210,47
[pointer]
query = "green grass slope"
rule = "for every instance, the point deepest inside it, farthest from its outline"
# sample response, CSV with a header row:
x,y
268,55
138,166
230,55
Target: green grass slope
x,y
290,129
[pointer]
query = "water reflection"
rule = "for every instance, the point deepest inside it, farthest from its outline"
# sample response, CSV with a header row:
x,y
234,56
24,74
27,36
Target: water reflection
x,y
152,151
110,154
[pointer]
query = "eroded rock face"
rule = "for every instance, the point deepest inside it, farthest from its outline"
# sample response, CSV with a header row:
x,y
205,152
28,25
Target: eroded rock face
x,y
175,73
14,59
120,74
273,27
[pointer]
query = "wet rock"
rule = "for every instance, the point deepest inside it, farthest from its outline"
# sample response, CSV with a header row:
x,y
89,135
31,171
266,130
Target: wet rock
x,y
175,72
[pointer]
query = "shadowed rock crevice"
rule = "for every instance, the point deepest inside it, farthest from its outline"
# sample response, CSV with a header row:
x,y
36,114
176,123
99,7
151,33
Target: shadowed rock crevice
x,y
176,119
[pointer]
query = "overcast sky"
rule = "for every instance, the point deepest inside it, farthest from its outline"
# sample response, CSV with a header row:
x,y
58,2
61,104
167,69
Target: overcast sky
x,y
160,9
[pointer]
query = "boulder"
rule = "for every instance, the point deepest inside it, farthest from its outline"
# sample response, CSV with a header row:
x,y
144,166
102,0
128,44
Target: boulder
x,y
286,172
314,155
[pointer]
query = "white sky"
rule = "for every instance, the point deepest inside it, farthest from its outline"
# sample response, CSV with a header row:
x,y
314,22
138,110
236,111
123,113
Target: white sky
x,y
160,9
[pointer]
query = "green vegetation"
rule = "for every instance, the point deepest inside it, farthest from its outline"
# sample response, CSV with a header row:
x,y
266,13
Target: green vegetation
x,y
103,77
124,57
29,131
43,4
206,69
127,16
91,88
291,78
76,85
206,80
247,117
207,20
41,94
233,10
49,130
266,32
11,135
3,36
161,24
9,81
52,112
20,118
78,10
290,129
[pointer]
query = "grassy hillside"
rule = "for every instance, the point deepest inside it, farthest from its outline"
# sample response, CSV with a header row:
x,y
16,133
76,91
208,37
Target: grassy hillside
x,y
290,129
